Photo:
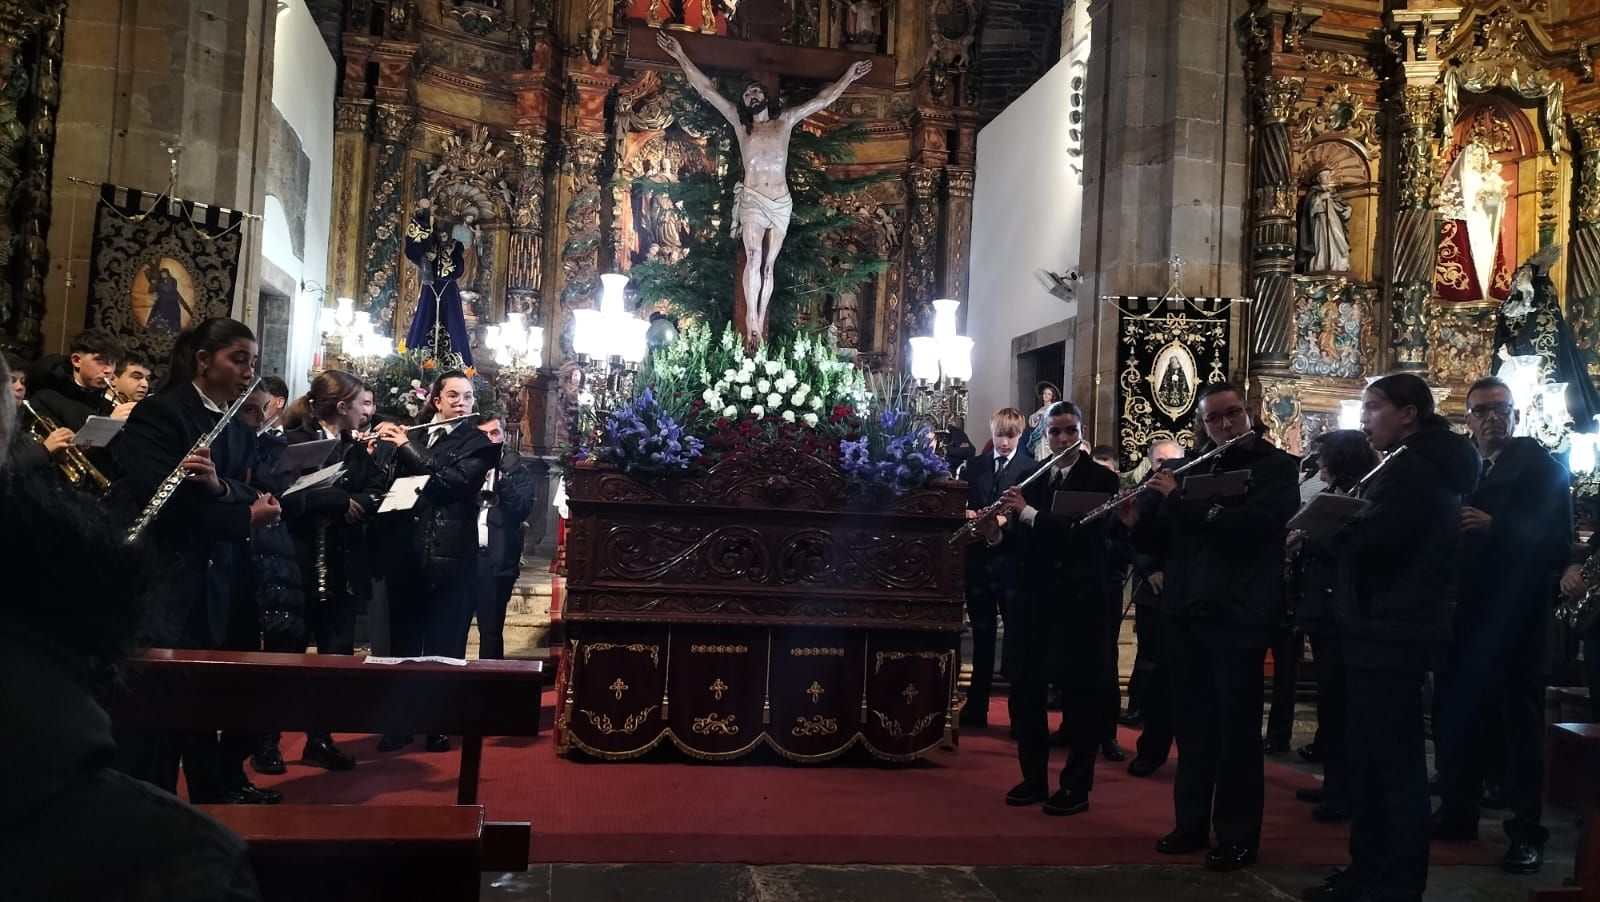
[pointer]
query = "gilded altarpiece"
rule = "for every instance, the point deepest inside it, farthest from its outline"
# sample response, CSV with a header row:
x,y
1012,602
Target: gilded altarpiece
x,y
1460,141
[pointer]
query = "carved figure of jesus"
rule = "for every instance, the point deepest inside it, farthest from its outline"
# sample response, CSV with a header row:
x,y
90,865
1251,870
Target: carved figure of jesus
x,y
761,202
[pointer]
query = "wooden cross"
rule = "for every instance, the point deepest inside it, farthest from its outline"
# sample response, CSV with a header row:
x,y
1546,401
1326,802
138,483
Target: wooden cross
x,y
764,61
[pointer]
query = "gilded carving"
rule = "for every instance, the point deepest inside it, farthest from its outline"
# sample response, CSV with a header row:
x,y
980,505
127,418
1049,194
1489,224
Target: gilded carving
x,y
1501,52
922,243
352,115
739,554
1277,97
480,18
1331,63
1335,328
1587,128
1280,411
1419,110
580,253
1337,111
1548,181
1275,201
394,123
385,215
959,182
1460,342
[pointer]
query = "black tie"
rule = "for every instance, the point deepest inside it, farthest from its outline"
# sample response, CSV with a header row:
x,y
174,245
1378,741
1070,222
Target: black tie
x,y
1488,464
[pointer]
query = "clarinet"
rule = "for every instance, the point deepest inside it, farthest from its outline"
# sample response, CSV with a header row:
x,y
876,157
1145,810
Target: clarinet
x,y
170,485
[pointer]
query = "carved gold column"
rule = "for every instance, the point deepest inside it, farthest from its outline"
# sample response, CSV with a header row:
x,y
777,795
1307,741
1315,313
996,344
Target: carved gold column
x,y
524,277
922,246
1272,238
1583,257
1416,228
386,217
958,231
351,120
30,93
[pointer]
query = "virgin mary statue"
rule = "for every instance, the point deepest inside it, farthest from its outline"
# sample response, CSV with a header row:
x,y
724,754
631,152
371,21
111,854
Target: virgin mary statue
x,y
1471,266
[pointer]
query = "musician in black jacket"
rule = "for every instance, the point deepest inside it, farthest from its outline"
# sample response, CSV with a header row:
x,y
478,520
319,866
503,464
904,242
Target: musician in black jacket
x,y
201,536
1517,537
430,581
1222,595
1056,622
1399,565
991,571
505,503
1150,685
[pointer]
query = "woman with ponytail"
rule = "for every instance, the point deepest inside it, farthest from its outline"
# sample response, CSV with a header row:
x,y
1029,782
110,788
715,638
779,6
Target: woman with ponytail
x,y
201,537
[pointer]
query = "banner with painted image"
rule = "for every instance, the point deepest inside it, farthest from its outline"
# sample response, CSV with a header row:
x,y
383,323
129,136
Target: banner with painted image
x,y
158,266
1167,349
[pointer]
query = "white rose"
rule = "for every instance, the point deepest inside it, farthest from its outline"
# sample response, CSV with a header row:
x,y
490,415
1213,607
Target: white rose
x,y
773,367
730,411
742,377
729,373
788,416
775,400
816,402
763,386
758,411
790,376
720,387
710,397
810,418
746,392
798,398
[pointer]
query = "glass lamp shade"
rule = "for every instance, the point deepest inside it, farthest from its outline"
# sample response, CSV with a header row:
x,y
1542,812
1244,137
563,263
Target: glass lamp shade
x,y
1521,372
955,357
1349,414
612,287
491,338
516,321
629,340
345,313
588,333
1554,401
535,342
1582,458
924,359
944,318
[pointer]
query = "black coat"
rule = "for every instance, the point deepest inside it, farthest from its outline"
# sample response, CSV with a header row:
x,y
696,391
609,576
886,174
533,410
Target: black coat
x,y
1400,560
1223,559
1511,571
442,529
331,551
509,506
991,569
279,589
204,536
56,393
1056,624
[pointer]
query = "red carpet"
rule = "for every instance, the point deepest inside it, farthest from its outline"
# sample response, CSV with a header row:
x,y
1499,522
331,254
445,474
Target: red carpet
x,y
946,809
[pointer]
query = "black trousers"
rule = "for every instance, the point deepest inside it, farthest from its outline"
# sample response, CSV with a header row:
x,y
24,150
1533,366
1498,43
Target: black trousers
x,y
1286,647
1080,720
1591,664
986,595
428,616
493,595
1492,728
1390,810
1111,690
1217,721
1332,715
1151,673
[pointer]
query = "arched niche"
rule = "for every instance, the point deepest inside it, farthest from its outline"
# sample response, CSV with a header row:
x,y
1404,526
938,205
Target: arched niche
x,y
1353,174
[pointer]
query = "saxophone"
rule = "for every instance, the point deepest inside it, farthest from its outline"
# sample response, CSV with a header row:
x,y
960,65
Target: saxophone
x,y
170,485
1581,614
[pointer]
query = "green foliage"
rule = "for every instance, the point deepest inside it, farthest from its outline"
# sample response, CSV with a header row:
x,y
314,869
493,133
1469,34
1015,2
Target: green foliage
x,y
401,381
812,262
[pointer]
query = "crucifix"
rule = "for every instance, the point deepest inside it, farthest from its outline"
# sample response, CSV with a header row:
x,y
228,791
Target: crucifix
x,y
762,205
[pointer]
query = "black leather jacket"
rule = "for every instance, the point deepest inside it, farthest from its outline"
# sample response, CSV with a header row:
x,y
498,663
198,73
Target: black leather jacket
x,y
442,529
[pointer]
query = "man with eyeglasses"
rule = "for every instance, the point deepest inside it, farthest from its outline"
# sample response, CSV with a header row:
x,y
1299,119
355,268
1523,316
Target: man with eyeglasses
x,y
1223,593
1517,536
1056,623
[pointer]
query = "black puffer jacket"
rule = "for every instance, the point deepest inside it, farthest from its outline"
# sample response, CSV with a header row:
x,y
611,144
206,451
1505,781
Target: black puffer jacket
x,y
53,390
1400,559
333,551
280,594
1223,558
443,527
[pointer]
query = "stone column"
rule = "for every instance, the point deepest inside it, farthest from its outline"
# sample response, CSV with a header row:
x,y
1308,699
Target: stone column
x,y
1416,227
351,120
1583,256
958,232
386,218
922,249
1272,234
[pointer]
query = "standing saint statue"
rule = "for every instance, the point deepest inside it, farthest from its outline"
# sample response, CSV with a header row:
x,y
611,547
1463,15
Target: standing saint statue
x,y
1323,244
761,203
439,323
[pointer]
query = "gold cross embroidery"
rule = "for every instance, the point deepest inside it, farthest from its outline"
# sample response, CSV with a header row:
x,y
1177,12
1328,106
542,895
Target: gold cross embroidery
x,y
717,688
910,692
618,687
815,692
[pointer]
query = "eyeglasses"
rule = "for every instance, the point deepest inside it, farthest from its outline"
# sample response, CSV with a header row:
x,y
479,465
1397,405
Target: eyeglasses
x,y
1502,410
1232,413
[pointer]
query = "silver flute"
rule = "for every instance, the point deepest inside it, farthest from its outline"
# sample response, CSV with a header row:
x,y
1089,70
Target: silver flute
x,y
971,526
1143,487
170,485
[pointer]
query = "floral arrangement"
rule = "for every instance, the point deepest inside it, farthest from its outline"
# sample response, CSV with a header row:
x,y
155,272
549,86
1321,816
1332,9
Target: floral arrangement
x,y
400,384
640,436
796,383
892,454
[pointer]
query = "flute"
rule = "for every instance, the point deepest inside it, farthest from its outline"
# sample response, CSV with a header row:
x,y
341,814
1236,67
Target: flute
x,y
368,436
971,526
168,486
1143,487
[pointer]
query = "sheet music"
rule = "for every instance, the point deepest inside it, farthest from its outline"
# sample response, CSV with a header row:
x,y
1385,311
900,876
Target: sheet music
x,y
1326,514
97,432
434,659
306,455
321,477
402,496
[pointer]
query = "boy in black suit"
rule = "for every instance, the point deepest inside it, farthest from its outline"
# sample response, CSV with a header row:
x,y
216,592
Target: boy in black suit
x,y
991,570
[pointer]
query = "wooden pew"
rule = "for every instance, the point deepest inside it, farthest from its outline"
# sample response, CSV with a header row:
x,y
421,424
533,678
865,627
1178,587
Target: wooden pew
x,y
1572,774
172,689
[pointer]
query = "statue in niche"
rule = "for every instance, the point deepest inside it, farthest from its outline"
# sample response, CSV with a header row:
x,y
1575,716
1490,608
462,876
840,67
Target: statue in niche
x,y
863,24
1323,238
439,323
761,202
1471,265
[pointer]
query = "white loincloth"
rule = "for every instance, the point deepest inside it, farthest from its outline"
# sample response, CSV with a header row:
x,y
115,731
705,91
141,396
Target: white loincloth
x,y
753,207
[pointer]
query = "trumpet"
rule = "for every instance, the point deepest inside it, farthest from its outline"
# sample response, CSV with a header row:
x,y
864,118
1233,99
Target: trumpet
x,y
971,526
1143,487
168,486
74,464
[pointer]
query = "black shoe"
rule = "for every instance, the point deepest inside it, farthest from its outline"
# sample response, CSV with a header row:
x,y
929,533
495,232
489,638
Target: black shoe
x,y
268,761
1060,740
1230,857
393,742
1111,751
1026,793
1331,811
438,743
1179,843
1309,753
248,794
1312,794
1131,718
1522,858
1494,799
974,717
322,752
1143,767
1271,746
1065,802
1336,888
1454,828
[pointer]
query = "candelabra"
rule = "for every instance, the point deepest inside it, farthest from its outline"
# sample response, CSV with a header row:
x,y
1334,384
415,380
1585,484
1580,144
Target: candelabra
x,y
608,344
518,350
1541,404
941,364
349,335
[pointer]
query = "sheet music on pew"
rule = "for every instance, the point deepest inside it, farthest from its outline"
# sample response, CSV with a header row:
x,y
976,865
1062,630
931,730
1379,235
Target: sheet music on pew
x,y
424,659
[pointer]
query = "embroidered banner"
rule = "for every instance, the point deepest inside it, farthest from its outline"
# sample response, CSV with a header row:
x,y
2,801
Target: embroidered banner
x,y
158,267
1166,351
